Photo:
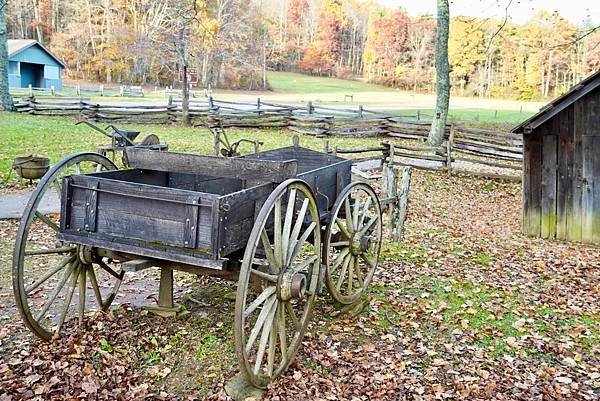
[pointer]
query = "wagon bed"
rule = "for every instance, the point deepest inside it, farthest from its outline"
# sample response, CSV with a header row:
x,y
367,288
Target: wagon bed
x,y
186,208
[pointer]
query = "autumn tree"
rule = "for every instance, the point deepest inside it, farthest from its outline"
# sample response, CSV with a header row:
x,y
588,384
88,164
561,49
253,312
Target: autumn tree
x,y
442,68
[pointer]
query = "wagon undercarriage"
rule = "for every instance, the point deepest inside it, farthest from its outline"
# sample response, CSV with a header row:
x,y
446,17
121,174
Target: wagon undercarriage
x,y
282,223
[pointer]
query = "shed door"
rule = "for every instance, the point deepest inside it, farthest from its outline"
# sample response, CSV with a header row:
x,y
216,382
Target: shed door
x,y
591,189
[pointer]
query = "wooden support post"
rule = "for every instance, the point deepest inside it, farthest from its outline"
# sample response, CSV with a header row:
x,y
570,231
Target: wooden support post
x,y
52,91
334,153
216,142
101,90
449,149
390,178
165,291
402,206
310,107
210,102
360,111
325,145
30,90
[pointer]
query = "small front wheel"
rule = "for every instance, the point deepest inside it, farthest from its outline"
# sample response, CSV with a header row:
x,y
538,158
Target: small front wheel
x,y
278,282
352,242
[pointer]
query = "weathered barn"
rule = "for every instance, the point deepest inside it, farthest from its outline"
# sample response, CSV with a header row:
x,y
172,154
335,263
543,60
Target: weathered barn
x,y
561,166
30,63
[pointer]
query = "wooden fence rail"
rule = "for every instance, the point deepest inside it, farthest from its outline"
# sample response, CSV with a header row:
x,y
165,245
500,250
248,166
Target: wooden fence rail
x,y
470,150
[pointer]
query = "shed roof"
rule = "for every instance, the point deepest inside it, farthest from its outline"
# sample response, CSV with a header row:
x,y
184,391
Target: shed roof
x,y
559,104
16,46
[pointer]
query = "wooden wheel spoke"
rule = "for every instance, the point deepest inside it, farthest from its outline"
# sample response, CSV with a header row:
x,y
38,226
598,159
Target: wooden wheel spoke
x,y
339,258
95,287
260,321
277,232
50,273
368,260
47,221
302,240
269,251
56,291
300,266
290,310
349,223
340,243
48,251
370,223
265,276
69,297
358,273
82,291
106,268
287,225
272,344
267,327
267,292
282,332
356,213
347,259
343,229
351,277
296,230
366,207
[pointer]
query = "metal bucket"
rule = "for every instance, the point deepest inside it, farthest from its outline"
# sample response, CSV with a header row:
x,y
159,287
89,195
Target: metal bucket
x,y
31,167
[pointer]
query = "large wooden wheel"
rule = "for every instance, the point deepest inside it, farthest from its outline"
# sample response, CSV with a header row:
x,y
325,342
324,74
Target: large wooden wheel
x,y
352,242
278,282
46,271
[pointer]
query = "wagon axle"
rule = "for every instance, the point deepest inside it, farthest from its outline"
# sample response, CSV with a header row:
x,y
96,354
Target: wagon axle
x,y
291,285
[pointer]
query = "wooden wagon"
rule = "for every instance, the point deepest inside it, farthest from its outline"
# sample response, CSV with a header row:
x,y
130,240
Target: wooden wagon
x,y
280,222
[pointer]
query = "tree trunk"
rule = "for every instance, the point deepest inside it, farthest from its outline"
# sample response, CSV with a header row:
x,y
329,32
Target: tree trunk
x,y
6,102
436,135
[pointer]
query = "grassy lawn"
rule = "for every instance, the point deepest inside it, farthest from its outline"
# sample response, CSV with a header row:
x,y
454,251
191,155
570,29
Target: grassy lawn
x,y
56,137
290,82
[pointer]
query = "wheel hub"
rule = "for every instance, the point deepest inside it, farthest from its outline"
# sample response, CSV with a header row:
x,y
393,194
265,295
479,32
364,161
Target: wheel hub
x,y
86,254
360,244
291,285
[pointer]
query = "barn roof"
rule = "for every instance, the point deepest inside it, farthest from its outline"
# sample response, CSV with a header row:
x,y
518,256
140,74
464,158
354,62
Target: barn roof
x,y
559,104
16,46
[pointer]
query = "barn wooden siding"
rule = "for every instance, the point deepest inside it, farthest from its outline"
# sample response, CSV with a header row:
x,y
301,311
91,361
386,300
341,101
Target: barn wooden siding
x,y
561,174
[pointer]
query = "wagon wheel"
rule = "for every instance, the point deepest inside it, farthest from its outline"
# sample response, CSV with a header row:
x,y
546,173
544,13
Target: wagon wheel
x,y
352,242
150,139
278,282
46,271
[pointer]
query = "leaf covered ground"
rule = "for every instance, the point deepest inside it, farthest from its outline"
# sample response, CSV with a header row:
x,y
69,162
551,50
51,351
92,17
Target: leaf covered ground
x,y
464,308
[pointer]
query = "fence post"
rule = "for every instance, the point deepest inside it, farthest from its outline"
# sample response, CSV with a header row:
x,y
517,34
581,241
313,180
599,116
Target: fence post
x,y
449,149
77,90
310,107
121,90
325,145
170,100
402,207
101,90
210,102
360,111
52,91
418,115
30,91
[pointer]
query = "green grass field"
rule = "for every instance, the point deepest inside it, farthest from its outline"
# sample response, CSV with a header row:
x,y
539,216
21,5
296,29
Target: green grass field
x,y
290,82
56,137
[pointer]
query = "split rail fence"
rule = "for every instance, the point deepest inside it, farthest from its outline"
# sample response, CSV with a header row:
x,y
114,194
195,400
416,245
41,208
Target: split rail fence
x,y
465,150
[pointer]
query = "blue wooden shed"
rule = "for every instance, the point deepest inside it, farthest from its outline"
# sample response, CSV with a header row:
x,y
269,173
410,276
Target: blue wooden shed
x,y
30,63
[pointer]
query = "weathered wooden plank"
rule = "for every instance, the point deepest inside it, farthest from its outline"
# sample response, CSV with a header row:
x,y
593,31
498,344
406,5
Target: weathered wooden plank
x,y
591,192
212,165
532,186
574,223
548,201
563,126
